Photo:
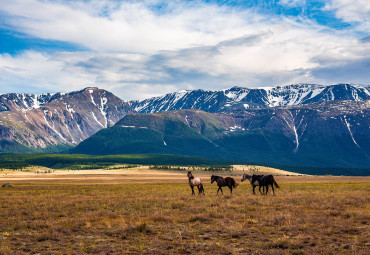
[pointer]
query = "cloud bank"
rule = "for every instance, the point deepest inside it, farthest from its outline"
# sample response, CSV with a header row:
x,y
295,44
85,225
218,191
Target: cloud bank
x,y
139,50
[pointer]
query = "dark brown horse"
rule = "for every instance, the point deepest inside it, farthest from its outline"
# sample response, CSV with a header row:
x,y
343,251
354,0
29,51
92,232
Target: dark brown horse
x,y
223,182
261,181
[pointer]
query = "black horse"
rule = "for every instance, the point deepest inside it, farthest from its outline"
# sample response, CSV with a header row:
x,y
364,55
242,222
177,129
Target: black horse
x,y
261,181
223,182
266,180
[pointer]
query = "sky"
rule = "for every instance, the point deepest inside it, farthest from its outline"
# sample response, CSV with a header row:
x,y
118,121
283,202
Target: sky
x,y
140,49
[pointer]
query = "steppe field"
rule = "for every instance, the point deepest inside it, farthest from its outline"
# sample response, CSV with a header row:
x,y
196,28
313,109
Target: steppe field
x,y
145,211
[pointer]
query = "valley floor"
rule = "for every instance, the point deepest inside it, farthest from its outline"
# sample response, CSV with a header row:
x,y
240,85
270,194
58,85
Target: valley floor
x,y
142,211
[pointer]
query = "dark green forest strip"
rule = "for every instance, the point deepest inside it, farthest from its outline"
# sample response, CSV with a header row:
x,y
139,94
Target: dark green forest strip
x,y
65,161
82,161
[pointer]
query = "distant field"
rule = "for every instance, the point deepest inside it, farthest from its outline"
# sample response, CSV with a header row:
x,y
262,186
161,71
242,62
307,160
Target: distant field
x,y
135,172
141,211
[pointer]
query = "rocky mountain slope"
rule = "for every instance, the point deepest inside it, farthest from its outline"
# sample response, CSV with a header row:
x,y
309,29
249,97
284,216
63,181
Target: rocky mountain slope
x,y
238,98
323,134
24,102
40,122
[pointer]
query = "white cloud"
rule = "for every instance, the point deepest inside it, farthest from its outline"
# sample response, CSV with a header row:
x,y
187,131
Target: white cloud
x,y
128,26
136,52
38,70
351,10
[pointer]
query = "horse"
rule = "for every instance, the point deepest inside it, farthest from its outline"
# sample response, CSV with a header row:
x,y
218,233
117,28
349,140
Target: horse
x,y
223,182
261,181
253,183
195,182
266,180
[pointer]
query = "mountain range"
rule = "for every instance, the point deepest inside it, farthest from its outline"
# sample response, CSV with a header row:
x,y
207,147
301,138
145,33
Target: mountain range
x,y
54,122
238,98
302,124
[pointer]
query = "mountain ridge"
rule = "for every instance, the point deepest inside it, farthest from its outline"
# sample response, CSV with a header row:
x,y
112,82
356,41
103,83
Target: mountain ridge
x,y
237,98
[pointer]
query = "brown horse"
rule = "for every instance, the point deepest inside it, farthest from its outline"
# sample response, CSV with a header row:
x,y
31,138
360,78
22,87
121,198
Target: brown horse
x,y
223,182
195,181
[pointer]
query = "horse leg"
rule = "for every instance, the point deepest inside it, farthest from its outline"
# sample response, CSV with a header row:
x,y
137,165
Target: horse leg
x,y
203,190
200,188
218,190
192,190
273,191
221,190
231,189
267,189
259,189
253,189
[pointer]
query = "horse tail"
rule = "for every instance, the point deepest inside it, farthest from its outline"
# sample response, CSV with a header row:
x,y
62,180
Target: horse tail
x,y
235,184
275,183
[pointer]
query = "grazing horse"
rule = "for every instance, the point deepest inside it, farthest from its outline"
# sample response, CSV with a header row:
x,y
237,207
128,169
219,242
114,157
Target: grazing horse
x,y
223,182
262,180
195,182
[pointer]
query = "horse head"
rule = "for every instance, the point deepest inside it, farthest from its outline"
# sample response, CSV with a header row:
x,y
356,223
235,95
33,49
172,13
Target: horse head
x,y
190,175
213,178
246,176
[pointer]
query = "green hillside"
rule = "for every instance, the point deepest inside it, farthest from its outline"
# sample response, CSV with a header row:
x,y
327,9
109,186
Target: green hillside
x,y
157,133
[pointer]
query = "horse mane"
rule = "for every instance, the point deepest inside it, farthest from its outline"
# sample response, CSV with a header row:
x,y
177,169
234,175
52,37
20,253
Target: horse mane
x,y
217,177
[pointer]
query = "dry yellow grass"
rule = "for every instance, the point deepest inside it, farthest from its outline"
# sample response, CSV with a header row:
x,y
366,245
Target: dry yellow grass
x,y
154,213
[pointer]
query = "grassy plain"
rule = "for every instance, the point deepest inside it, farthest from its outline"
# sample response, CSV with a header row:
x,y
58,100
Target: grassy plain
x,y
141,211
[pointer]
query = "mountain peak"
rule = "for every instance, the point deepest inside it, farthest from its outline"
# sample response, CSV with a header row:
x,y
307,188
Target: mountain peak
x,y
41,121
91,88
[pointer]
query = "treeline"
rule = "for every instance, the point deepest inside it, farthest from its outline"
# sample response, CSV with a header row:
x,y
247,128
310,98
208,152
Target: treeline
x,y
13,165
220,168
13,162
81,161
177,168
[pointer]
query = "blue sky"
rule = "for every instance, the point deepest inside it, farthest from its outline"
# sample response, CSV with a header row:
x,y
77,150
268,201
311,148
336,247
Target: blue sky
x,y
139,49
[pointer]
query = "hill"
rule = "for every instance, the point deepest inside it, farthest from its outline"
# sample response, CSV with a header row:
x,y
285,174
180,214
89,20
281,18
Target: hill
x,y
326,134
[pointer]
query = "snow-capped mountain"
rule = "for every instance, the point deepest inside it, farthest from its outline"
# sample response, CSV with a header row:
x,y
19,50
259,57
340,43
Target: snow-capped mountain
x,y
325,134
47,120
237,98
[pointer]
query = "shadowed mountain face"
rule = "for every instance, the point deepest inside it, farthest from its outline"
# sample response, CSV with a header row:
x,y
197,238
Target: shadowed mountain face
x,y
238,98
325,134
39,122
